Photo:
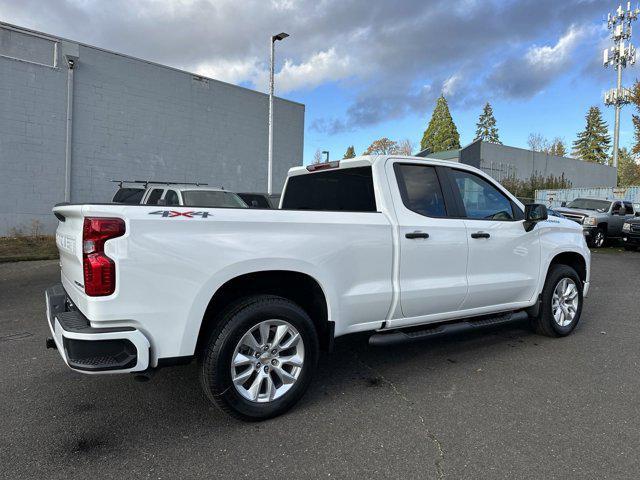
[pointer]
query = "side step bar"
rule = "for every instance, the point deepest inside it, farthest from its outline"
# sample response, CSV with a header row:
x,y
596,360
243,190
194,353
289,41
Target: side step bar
x,y
381,339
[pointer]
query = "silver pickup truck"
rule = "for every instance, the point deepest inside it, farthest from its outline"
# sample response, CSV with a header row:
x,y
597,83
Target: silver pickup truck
x,y
600,219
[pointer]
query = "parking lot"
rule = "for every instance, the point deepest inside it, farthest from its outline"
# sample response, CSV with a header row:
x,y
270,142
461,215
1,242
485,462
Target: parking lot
x,y
501,403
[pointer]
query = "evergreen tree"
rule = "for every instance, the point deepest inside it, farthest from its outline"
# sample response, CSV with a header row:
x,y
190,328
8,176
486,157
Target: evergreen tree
x,y
635,99
593,143
350,153
486,129
558,147
441,133
628,169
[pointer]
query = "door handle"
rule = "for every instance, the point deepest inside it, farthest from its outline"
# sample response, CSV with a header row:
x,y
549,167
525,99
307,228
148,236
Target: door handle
x,y
480,235
413,235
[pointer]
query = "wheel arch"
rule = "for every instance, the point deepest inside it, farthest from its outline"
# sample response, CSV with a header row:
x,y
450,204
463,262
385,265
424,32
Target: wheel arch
x,y
301,288
572,259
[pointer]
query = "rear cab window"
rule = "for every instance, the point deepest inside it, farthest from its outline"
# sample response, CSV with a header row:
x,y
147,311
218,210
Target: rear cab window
x,y
420,189
347,189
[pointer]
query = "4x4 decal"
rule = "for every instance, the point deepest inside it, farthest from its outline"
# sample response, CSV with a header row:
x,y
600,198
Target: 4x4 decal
x,y
175,213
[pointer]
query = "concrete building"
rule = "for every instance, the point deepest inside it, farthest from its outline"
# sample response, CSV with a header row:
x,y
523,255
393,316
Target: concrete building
x,y
110,116
501,161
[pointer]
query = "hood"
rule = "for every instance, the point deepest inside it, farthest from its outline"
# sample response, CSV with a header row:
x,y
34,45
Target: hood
x,y
578,211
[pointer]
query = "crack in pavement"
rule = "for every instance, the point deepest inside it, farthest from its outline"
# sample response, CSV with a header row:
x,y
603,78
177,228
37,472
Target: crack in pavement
x,y
440,461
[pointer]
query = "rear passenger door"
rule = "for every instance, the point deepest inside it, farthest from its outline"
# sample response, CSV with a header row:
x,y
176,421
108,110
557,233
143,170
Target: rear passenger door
x,y
433,244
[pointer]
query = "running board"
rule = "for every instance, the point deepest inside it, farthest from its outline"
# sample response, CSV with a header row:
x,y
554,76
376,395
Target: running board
x,y
418,333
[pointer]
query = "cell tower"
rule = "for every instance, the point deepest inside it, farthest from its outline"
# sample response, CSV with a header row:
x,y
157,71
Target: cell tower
x,y
622,53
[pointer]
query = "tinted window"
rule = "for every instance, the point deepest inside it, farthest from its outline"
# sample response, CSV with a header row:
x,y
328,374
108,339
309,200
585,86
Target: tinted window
x,y
171,198
590,204
420,189
350,189
629,208
212,198
255,200
616,207
129,195
154,196
481,200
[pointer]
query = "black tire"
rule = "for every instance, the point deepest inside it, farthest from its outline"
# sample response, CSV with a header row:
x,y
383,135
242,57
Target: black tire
x,y
544,323
630,248
599,239
235,322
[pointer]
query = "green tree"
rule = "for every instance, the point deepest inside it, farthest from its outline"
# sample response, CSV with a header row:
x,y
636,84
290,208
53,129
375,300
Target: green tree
x,y
635,99
382,146
350,153
558,147
628,169
486,129
441,133
594,141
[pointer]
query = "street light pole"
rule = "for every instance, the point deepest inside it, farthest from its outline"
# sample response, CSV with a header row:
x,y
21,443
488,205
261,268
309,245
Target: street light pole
x,y
274,39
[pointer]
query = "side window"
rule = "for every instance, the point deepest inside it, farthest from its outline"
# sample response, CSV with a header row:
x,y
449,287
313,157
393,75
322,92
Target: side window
x,y
154,196
420,189
481,200
629,208
171,198
616,208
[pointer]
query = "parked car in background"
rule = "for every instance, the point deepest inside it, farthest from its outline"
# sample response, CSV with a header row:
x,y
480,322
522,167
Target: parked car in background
x,y
631,234
600,219
371,244
180,194
257,200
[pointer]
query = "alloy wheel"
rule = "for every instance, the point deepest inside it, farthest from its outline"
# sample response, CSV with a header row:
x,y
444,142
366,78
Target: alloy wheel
x,y
267,361
564,303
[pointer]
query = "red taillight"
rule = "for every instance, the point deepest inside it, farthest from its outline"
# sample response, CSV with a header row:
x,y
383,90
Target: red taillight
x,y
99,270
323,166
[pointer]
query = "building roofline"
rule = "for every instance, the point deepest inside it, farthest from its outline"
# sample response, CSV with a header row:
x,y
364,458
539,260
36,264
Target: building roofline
x,y
56,38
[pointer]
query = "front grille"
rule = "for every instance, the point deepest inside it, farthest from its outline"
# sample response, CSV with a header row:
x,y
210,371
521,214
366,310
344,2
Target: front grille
x,y
574,216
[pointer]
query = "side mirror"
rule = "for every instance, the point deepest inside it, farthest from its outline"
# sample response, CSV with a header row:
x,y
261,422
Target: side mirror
x,y
534,213
563,204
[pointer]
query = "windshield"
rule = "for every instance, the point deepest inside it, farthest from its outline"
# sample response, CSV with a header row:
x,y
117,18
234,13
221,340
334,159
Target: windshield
x,y
212,198
589,204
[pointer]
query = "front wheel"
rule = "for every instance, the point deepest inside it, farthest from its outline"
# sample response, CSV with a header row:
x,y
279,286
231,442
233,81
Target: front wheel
x,y
561,302
599,239
261,359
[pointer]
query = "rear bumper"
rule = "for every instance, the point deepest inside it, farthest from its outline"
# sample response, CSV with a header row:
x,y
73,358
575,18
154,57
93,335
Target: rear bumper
x,y
93,350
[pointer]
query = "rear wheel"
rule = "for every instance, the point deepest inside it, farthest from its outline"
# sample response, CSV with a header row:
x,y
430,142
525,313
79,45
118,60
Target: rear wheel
x,y
561,305
260,360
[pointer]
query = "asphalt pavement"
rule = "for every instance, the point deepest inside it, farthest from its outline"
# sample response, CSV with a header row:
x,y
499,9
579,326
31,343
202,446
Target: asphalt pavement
x,y
503,403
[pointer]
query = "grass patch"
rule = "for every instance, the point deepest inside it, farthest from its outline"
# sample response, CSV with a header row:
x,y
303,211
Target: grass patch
x,y
20,248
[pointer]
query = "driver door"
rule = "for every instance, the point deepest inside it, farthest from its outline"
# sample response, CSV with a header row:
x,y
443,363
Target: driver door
x,y
504,259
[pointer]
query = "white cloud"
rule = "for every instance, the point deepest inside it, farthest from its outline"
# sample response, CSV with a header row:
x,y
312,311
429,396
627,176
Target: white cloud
x,y
232,71
451,84
321,67
551,57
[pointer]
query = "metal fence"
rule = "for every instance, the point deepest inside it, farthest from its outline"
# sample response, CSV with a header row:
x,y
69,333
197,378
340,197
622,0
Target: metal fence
x,y
554,198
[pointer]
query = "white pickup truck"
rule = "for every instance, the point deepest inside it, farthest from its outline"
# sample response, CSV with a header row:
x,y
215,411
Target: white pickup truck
x,y
376,244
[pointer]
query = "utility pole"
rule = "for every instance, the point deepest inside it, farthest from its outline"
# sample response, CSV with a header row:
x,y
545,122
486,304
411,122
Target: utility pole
x,y
622,53
274,39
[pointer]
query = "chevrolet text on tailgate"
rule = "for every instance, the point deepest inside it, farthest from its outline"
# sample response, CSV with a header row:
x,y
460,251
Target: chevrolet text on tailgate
x,y
374,244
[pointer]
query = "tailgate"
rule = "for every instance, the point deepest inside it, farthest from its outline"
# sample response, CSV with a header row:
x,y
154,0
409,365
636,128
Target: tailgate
x,y
69,243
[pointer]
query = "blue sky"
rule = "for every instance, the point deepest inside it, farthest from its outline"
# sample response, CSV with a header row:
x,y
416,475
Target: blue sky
x,y
370,69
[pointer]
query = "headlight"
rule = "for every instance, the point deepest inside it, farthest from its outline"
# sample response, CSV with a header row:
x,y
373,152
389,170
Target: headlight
x,y
589,221
626,227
